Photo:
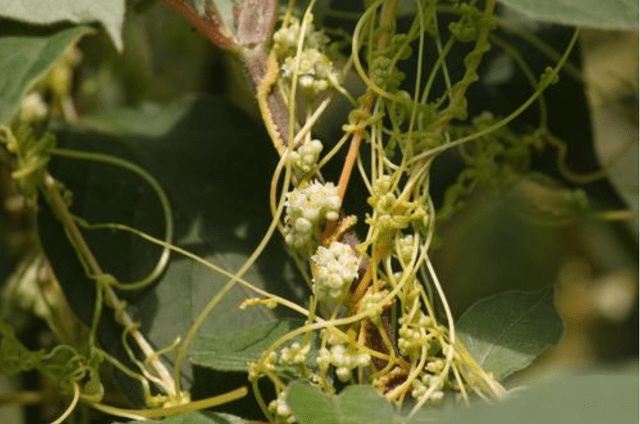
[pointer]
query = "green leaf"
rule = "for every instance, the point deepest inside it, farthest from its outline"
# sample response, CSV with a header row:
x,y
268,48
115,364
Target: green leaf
x,y
612,14
601,397
110,13
197,418
355,405
215,165
232,352
505,332
147,120
26,53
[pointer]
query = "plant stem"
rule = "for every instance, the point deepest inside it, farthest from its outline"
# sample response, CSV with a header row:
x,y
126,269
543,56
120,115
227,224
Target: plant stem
x,y
57,203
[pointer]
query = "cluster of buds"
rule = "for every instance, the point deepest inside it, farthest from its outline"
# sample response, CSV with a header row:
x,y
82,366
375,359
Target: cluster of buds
x,y
305,157
415,334
306,209
344,359
294,355
371,303
285,40
426,382
391,212
315,70
405,248
334,269
281,410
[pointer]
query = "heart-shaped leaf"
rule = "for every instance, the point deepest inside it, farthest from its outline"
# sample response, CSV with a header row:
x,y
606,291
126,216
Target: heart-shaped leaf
x,y
507,331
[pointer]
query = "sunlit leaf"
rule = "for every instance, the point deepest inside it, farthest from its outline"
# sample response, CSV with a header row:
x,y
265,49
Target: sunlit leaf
x,y
505,332
110,13
355,405
232,352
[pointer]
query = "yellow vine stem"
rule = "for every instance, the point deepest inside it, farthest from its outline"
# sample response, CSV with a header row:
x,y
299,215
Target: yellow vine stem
x,y
198,259
204,313
561,160
58,205
145,414
296,69
72,405
162,198
539,44
367,103
506,120
24,398
262,94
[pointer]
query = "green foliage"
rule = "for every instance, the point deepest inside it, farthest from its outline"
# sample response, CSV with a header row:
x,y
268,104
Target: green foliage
x,y
199,174
63,364
26,53
602,395
234,351
110,13
355,405
507,331
613,14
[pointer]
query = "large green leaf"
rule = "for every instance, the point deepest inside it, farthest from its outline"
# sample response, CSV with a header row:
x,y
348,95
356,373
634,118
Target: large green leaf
x,y
26,53
355,405
600,397
505,332
110,13
197,418
611,14
215,165
232,352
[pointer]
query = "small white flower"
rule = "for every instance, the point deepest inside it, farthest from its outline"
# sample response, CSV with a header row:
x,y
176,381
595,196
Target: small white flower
x,y
306,209
334,270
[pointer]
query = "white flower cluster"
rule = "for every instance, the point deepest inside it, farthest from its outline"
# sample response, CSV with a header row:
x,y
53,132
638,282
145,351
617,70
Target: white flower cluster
x,y
305,157
294,355
306,208
280,409
371,303
335,269
345,360
422,385
285,40
315,72
256,369
405,248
